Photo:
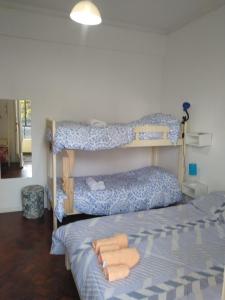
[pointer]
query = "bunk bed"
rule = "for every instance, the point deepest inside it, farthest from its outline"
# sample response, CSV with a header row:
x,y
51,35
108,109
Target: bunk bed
x,y
154,131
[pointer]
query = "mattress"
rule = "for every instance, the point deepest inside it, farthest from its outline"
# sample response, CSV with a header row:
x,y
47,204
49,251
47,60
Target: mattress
x,y
83,136
182,251
135,190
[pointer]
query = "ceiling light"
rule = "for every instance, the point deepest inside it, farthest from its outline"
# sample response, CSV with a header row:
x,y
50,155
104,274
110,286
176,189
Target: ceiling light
x,y
86,12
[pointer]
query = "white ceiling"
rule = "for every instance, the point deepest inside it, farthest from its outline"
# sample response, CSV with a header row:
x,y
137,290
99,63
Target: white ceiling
x,y
161,16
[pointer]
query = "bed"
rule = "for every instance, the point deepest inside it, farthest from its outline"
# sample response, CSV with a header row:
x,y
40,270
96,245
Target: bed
x,y
124,192
103,136
182,252
152,131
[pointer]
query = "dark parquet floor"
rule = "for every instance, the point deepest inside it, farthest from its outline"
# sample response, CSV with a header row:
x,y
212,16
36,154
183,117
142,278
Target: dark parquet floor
x,y
27,270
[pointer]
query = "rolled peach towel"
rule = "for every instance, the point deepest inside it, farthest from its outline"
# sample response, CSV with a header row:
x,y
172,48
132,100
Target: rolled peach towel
x,y
128,256
119,239
116,272
109,247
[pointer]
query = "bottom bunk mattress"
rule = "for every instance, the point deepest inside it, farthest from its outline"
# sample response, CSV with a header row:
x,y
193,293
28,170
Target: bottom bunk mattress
x,y
182,250
135,190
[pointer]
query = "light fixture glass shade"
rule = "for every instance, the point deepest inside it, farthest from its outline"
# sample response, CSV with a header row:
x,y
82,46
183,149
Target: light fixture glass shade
x,y
85,12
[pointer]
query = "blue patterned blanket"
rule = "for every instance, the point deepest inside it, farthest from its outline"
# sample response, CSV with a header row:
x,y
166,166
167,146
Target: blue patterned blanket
x,y
182,252
71,135
135,190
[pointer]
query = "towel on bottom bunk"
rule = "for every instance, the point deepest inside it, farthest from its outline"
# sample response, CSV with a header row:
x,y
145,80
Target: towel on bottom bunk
x,y
95,185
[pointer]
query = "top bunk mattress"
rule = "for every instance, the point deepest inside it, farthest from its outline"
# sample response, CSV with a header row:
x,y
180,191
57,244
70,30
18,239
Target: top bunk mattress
x,y
83,136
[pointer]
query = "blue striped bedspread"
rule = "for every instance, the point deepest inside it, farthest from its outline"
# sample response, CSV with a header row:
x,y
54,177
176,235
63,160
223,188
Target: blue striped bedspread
x,y
83,136
182,251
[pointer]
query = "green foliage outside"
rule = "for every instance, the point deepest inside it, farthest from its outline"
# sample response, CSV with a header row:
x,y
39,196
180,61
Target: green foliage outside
x,y
25,110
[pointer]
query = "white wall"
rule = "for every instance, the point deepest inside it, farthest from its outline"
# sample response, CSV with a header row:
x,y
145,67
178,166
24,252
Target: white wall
x,y
73,73
195,71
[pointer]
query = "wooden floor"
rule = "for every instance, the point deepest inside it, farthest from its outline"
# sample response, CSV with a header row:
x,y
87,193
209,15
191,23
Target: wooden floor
x,y
27,270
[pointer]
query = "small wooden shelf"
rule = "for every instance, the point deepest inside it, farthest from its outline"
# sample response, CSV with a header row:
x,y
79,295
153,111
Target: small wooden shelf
x,y
198,139
194,189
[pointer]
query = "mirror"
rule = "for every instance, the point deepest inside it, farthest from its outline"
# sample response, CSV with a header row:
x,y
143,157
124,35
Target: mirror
x,y
15,139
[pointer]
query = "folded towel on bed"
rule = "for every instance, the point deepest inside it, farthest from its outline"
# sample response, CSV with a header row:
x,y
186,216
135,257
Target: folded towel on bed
x,y
127,256
116,272
95,185
110,247
115,256
97,123
119,239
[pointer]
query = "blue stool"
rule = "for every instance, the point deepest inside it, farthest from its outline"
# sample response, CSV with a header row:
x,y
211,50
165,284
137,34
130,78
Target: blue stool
x,y
33,201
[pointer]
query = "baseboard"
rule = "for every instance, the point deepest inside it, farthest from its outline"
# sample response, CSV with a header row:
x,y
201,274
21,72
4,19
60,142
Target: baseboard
x,y
10,209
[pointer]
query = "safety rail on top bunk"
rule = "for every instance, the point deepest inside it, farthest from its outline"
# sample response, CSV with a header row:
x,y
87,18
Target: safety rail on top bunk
x,y
162,141
157,142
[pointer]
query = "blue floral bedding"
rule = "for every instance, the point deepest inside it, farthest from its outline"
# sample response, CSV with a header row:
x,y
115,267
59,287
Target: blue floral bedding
x,y
135,190
181,248
71,135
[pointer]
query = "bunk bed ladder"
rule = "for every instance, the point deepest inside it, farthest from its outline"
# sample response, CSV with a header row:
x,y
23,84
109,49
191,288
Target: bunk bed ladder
x,y
68,161
51,169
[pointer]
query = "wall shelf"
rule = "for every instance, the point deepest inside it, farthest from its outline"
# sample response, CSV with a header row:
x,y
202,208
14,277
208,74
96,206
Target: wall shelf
x,y
198,139
194,189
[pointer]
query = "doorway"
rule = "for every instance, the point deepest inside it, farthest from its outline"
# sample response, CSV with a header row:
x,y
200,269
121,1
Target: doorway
x,y
15,138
